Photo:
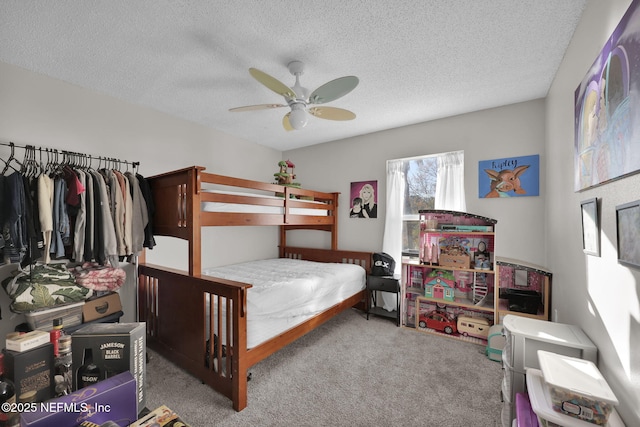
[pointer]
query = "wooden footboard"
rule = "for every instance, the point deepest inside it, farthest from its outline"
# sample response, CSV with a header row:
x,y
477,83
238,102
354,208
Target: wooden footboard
x,y
174,306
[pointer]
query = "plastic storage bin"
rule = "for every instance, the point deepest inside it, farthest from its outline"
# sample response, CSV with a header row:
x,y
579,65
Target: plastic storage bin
x,y
577,388
525,417
43,319
541,404
525,336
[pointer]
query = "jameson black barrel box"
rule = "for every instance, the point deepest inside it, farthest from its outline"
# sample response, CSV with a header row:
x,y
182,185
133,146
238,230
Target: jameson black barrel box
x,y
103,350
31,370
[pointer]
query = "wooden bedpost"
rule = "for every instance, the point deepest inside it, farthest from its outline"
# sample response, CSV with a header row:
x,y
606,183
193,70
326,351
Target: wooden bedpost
x,y
193,212
334,230
239,357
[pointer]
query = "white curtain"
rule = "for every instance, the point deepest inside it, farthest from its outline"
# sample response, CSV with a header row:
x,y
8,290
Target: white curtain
x,y
392,239
450,182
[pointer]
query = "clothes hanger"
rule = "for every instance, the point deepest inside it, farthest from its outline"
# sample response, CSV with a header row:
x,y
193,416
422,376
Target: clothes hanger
x,y
7,164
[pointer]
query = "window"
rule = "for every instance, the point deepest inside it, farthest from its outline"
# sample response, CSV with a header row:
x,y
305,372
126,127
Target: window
x,y
420,188
427,182
421,178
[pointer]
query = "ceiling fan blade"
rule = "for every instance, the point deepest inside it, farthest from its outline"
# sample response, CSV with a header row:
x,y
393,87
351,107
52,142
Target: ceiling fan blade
x,y
331,113
257,107
286,123
272,83
333,90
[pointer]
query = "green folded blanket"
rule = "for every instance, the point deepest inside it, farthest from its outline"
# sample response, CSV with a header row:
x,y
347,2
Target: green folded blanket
x,y
43,286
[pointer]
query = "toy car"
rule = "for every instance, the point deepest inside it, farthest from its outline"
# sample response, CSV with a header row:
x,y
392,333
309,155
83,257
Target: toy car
x,y
438,320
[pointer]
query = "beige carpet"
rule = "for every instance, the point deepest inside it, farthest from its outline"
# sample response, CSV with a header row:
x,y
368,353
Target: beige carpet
x,y
348,372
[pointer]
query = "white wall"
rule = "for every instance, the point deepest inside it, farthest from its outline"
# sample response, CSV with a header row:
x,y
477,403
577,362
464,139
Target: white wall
x,y
595,293
515,130
49,113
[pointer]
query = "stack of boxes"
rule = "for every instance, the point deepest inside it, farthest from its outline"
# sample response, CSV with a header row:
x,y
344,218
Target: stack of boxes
x,y
28,362
118,352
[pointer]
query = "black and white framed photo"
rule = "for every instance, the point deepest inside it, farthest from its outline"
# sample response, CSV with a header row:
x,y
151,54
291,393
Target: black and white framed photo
x,y
590,227
628,233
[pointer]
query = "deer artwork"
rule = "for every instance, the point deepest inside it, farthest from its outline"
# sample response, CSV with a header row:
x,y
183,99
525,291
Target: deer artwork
x,y
504,181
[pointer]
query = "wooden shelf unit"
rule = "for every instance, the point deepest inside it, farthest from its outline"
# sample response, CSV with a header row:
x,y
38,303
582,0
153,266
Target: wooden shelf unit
x,y
455,272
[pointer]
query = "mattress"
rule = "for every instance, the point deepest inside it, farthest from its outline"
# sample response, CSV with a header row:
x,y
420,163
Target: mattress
x,y
247,208
286,292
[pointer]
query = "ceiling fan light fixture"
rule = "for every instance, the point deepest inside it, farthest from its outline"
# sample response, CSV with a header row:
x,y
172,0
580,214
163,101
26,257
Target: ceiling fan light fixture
x,y
298,99
298,117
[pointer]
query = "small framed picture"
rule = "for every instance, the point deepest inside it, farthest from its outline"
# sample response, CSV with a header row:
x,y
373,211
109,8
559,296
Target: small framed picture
x,y
364,199
628,233
590,227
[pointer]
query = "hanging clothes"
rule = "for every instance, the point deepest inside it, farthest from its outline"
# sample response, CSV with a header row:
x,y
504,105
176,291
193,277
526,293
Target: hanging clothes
x,y
90,216
69,210
149,240
35,241
14,229
45,212
139,214
117,210
4,207
109,247
79,228
61,230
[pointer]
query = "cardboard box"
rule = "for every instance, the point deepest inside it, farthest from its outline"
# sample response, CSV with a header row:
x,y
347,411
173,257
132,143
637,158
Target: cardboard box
x,y
115,348
31,370
113,399
160,417
97,308
27,341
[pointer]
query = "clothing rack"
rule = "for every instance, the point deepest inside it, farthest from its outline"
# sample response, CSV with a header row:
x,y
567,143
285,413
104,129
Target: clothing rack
x,y
53,155
46,157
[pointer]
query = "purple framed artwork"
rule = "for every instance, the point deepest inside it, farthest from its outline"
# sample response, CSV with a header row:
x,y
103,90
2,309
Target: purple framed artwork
x,y
364,202
607,109
509,177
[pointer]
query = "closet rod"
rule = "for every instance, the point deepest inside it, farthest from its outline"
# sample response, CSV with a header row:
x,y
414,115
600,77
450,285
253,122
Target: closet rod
x,y
72,153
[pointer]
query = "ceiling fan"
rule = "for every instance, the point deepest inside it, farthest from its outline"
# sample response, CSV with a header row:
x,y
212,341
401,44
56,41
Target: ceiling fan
x,y
300,101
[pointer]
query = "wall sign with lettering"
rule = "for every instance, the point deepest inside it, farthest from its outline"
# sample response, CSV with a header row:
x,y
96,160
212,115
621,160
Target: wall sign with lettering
x,y
509,177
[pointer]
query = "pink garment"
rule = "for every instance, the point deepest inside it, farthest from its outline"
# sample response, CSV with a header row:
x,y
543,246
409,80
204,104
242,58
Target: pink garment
x,y
74,186
98,277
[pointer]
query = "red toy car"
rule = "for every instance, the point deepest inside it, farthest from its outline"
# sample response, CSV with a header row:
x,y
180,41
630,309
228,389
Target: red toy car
x,y
438,320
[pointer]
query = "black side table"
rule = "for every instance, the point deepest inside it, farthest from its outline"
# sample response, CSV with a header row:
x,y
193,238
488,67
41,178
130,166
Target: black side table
x,y
382,284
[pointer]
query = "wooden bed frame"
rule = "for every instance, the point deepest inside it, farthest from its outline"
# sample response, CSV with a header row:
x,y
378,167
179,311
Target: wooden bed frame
x,y
181,308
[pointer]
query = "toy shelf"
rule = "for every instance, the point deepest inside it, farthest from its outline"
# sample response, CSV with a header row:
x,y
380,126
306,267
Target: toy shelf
x,y
454,277
462,303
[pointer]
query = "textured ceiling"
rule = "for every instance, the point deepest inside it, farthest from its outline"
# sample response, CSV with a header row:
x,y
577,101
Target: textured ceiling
x,y
417,60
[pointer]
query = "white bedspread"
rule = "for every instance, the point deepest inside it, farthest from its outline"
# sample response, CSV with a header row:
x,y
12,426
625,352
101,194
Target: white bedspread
x,y
286,291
